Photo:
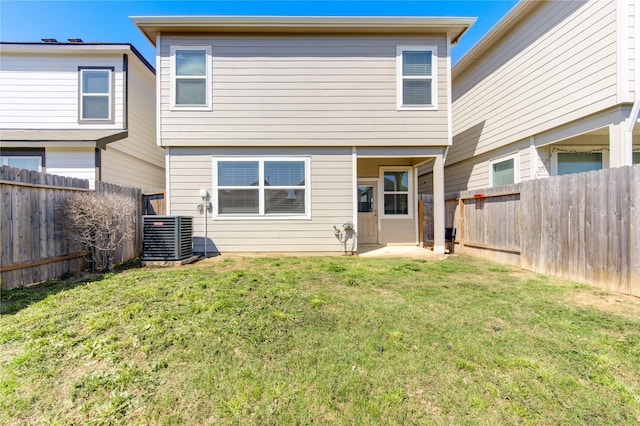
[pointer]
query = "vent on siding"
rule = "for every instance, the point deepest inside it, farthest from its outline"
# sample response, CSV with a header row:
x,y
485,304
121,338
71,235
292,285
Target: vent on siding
x,y
167,237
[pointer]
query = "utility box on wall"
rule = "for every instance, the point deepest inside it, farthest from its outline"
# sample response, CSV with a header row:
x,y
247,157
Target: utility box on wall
x,y
167,237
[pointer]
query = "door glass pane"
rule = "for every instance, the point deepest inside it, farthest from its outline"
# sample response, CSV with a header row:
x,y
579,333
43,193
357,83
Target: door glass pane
x,y
238,173
284,173
95,82
238,201
95,107
191,92
396,181
285,201
503,173
396,204
365,199
416,63
636,158
191,62
577,162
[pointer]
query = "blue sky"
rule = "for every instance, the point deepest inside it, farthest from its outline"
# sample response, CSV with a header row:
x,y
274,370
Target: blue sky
x,y
108,21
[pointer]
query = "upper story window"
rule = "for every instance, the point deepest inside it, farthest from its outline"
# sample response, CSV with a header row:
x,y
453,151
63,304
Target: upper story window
x,y
191,77
261,188
416,77
96,95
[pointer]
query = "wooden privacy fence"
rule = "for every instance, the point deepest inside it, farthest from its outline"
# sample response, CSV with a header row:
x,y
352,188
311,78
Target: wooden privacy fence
x,y
133,247
584,227
33,242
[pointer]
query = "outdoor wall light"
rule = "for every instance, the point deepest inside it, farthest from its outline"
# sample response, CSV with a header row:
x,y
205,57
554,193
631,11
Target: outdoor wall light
x,y
203,208
206,205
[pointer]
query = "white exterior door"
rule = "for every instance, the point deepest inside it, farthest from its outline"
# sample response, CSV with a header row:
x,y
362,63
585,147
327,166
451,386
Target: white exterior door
x,y
367,212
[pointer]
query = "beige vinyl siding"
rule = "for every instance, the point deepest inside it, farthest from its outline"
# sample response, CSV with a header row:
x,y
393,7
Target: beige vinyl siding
x,y
41,91
288,91
72,162
556,66
123,169
331,201
425,182
475,173
137,160
397,231
141,136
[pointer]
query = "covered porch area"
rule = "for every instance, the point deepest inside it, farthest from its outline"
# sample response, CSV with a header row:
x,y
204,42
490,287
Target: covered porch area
x,y
386,194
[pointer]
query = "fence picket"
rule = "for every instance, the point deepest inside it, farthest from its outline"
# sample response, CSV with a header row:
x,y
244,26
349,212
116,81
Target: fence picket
x,y
584,227
34,245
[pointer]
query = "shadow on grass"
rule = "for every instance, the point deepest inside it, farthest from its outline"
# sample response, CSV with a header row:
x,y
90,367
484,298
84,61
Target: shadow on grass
x,y
14,300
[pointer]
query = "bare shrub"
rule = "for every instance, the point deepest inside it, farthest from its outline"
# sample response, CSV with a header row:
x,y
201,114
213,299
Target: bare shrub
x,y
101,223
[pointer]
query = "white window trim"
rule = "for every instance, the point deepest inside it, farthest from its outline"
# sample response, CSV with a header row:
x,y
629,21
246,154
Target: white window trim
x,y
410,192
434,78
208,78
555,150
81,119
261,188
516,167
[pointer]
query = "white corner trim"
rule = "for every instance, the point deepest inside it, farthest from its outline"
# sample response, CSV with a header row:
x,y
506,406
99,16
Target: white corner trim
x,y
533,158
449,102
158,92
622,50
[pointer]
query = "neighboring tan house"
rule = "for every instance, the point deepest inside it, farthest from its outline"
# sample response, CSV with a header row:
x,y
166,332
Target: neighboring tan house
x,y
84,110
295,125
551,89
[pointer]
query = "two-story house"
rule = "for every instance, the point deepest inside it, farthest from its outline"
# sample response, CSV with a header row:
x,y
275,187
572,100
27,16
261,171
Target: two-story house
x,y
84,110
294,125
552,89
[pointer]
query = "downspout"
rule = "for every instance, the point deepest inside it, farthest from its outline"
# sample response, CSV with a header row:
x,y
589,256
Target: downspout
x,y
167,151
125,70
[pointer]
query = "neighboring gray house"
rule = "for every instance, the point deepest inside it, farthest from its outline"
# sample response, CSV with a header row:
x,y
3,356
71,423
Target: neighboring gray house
x,y
84,110
552,89
295,125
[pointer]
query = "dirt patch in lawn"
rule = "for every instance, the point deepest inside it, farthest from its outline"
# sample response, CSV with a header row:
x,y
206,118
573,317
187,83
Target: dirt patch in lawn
x,y
619,304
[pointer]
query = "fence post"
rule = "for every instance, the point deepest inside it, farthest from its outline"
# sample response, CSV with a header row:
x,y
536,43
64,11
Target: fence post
x,y
461,225
421,222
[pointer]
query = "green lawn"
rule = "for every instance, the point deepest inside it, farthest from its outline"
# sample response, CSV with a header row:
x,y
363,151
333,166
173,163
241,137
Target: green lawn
x,y
320,341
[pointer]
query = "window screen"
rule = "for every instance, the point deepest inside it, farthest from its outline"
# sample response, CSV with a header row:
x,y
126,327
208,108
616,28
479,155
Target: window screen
x,y
504,173
95,94
416,73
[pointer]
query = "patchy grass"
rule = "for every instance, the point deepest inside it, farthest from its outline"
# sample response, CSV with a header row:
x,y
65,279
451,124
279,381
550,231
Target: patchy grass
x,y
319,340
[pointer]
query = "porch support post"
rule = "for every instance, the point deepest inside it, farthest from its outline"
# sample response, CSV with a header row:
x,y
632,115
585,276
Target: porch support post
x,y
438,204
620,145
